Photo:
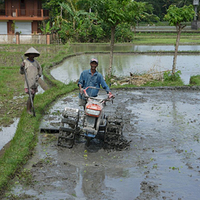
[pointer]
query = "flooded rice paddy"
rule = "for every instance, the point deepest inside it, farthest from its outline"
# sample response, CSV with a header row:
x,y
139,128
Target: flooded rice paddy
x,y
163,161
123,64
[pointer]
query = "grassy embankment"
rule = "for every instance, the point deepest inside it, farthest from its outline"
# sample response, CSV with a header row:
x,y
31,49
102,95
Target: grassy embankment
x,y
11,83
167,38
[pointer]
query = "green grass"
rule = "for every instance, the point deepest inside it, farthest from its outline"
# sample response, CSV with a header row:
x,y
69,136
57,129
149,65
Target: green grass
x,y
11,83
166,38
166,41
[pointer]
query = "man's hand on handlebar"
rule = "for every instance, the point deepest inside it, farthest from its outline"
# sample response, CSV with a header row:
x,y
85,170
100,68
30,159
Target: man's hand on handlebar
x,y
81,91
110,95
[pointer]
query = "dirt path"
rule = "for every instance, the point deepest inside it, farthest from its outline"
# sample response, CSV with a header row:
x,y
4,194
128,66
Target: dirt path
x,y
162,162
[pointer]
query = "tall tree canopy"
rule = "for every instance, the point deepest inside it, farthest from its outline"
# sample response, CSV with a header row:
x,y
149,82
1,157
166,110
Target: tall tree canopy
x,y
178,17
54,7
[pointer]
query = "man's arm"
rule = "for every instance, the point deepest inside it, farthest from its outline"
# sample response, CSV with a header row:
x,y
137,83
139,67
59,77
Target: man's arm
x,y
80,89
104,85
21,71
80,83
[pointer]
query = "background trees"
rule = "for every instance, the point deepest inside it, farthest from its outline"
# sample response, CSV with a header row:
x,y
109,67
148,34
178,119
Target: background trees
x,y
89,21
161,6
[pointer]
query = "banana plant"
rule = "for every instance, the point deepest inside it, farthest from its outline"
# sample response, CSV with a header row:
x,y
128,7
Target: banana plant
x,y
74,14
46,28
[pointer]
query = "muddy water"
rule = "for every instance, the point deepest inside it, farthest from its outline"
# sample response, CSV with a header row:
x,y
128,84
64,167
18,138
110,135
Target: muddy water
x,y
7,133
123,64
163,161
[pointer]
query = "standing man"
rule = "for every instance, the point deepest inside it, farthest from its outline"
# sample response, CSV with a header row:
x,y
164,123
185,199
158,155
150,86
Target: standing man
x,y
33,71
92,78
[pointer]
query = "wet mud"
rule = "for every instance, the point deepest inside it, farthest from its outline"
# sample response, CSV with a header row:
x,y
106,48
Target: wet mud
x,y
162,161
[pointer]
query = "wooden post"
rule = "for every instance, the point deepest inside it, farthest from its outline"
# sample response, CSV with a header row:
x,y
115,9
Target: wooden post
x,y
48,39
17,38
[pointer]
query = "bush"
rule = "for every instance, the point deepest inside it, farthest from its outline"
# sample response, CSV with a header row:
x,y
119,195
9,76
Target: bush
x,y
168,76
195,80
172,79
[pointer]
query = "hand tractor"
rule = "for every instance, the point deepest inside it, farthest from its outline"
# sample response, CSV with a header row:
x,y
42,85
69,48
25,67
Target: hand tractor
x,y
95,124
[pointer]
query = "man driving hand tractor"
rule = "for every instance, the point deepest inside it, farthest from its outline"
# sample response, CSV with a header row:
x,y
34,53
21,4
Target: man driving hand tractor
x,y
92,78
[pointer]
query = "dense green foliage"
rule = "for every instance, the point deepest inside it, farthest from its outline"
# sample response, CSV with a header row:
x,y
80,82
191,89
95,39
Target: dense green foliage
x,y
161,6
90,20
177,16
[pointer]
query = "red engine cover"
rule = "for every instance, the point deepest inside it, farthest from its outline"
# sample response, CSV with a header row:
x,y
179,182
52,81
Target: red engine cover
x,y
93,106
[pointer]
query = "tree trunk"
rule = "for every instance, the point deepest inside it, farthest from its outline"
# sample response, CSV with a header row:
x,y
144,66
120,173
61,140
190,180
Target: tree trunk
x,y
111,50
179,28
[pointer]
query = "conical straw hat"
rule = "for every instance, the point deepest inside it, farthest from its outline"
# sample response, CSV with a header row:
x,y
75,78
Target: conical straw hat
x,y
32,50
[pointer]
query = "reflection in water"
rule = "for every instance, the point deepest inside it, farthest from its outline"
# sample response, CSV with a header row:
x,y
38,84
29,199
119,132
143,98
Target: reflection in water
x,y
97,181
123,64
93,181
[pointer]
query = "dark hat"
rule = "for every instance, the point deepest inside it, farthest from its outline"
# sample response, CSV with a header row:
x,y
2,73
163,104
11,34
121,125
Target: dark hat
x,y
94,60
32,51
